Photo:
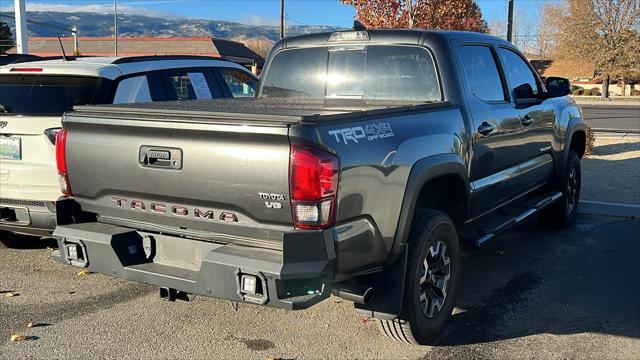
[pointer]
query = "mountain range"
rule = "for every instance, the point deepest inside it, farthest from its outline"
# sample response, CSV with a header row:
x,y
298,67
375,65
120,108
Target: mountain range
x,y
101,24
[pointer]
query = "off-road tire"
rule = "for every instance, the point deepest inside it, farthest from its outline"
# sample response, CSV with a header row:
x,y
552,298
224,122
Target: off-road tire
x,y
413,326
562,213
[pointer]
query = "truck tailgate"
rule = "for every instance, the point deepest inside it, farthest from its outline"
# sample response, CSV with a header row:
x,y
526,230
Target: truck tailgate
x,y
216,176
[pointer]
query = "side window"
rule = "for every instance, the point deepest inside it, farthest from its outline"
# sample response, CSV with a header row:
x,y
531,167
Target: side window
x,y
482,73
190,85
240,83
133,90
517,70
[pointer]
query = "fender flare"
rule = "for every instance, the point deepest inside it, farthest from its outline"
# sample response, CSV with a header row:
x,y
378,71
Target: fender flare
x,y
575,125
421,173
387,304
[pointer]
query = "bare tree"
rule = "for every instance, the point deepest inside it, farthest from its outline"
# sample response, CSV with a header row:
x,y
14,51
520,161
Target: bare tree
x,y
497,28
550,20
606,32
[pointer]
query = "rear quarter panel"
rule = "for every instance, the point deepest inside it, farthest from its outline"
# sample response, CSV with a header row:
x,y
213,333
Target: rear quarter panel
x,y
375,164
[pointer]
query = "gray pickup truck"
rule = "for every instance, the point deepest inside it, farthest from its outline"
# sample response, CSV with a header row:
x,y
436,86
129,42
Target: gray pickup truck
x,y
367,160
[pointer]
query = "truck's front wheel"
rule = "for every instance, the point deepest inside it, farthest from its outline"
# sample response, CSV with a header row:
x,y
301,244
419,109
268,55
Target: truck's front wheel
x,y
562,213
433,272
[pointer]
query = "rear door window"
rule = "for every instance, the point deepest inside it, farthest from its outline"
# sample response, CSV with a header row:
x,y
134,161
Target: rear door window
x,y
482,73
240,83
48,94
133,90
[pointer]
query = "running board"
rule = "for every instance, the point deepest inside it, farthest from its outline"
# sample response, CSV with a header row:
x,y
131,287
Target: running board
x,y
504,223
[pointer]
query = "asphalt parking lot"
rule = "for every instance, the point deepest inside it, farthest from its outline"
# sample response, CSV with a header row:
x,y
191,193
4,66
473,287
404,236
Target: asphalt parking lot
x,y
619,118
528,294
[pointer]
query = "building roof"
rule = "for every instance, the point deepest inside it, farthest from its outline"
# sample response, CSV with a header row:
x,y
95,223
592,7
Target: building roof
x,y
564,68
139,46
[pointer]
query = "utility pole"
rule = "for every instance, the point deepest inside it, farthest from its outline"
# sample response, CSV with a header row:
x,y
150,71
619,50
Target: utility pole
x,y
115,28
22,39
510,23
281,19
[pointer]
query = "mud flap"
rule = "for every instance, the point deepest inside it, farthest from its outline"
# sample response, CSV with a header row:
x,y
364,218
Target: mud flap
x,y
389,287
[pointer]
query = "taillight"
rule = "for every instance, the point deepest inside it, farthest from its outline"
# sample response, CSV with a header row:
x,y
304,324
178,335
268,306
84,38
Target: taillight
x,y
61,162
51,134
27,69
313,178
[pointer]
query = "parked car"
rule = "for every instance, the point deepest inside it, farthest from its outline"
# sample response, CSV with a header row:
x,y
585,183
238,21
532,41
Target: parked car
x,y
366,159
34,95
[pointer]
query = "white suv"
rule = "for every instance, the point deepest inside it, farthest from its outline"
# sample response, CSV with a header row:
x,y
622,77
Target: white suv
x,y
33,96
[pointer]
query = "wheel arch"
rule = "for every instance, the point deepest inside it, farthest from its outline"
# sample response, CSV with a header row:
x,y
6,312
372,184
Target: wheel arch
x,y
427,179
575,139
426,175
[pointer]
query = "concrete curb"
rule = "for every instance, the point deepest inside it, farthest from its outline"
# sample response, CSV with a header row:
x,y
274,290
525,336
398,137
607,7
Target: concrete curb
x,y
617,135
608,209
617,131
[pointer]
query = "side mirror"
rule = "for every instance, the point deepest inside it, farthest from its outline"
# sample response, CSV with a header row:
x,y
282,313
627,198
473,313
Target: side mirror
x,y
524,92
557,86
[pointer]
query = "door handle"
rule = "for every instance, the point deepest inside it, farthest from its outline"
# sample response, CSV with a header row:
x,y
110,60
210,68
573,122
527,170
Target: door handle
x,y
527,120
160,157
485,128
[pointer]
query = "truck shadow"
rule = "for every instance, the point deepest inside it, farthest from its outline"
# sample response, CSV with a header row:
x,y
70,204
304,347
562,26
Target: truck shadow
x,y
26,242
532,281
617,148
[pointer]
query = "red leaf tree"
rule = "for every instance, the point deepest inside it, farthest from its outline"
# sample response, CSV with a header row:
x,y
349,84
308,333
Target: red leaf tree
x,y
426,14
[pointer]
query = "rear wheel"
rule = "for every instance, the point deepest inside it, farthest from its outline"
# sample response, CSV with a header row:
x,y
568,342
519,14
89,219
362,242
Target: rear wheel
x,y
563,212
433,272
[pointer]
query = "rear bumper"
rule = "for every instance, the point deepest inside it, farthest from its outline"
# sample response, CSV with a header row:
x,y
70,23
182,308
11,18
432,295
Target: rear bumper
x,y
298,277
27,216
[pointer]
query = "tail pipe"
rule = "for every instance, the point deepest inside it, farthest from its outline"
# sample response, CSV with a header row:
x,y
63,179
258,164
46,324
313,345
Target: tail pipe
x,y
353,291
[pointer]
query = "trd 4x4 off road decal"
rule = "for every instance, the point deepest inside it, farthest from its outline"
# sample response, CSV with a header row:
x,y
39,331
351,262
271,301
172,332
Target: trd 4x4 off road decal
x,y
369,132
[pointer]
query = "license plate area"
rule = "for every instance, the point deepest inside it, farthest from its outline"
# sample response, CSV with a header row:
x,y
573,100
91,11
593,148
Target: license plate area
x,y
10,148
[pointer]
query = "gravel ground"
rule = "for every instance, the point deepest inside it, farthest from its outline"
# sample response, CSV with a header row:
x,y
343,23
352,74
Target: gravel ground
x,y
612,172
529,294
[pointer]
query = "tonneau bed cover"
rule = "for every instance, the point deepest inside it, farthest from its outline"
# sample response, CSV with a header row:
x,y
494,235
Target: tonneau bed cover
x,y
263,111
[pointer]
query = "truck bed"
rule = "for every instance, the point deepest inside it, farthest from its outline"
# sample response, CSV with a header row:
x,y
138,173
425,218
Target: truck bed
x,y
262,111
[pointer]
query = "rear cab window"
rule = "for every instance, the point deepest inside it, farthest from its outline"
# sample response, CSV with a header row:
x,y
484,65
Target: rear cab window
x,y
367,72
29,94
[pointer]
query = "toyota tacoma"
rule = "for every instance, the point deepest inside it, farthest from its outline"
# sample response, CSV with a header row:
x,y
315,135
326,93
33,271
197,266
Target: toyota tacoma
x,y
365,163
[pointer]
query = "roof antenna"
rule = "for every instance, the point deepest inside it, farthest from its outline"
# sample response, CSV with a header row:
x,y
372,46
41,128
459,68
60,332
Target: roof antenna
x,y
357,25
64,55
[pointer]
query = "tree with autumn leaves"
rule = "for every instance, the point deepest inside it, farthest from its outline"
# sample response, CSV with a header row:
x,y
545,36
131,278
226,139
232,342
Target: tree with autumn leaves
x,y
605,33
425,14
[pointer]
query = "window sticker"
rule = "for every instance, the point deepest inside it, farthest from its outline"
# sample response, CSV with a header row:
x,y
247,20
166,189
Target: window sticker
x,y
200,86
